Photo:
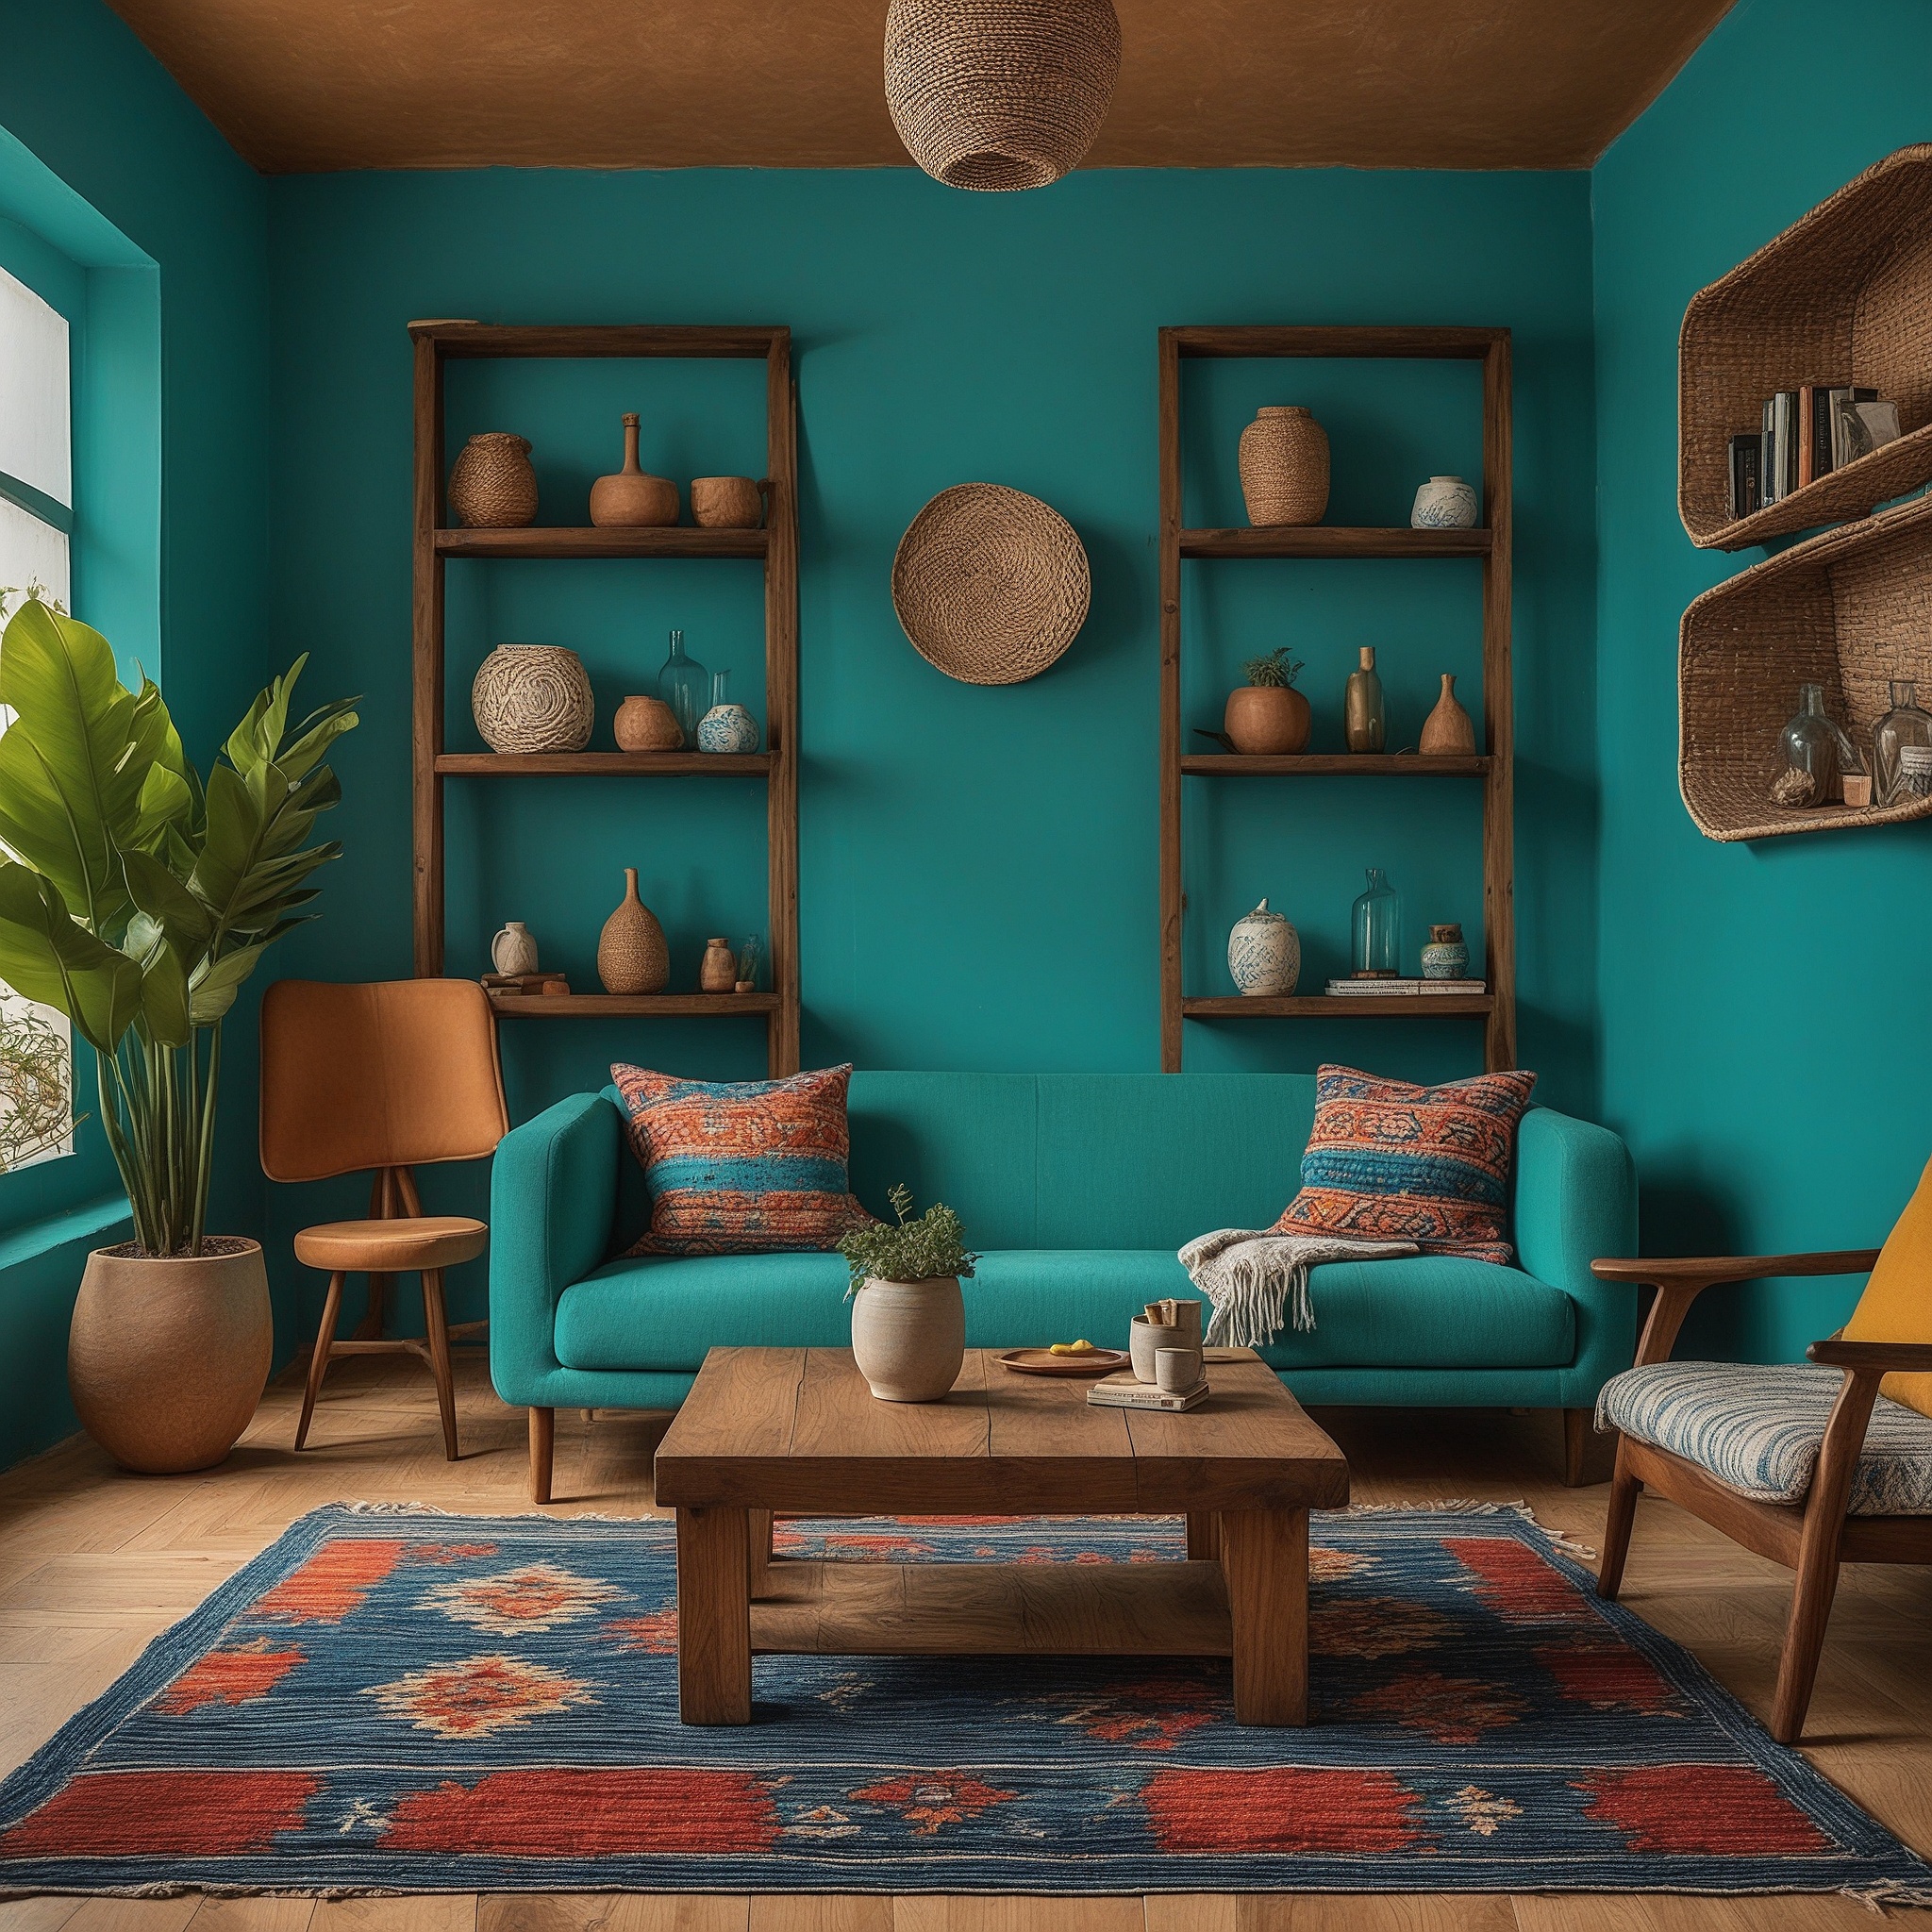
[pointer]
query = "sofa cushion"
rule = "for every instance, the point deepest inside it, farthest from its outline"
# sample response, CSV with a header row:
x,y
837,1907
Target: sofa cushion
x,y
662,1313
1758,1428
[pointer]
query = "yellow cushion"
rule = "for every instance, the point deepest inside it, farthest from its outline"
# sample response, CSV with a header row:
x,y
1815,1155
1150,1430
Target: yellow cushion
x,y
1897,1302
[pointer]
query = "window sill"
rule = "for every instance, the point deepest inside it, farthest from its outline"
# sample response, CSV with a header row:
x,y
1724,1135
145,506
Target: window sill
x,y
61,1230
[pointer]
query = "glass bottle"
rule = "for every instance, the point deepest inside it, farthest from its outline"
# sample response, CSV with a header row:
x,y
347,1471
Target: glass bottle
x,y
721,690
1809,743
682,685
1376,950
1364,722
1904,725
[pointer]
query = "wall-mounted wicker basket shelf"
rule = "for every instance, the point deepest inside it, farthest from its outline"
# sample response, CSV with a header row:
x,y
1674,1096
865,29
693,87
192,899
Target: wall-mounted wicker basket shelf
x,y
1850,610
1844,296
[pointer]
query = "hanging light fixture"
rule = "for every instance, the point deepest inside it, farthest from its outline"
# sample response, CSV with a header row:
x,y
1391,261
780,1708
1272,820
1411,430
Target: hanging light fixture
x,y
999,94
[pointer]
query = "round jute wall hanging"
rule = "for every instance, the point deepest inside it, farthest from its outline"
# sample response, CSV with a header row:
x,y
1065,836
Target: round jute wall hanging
x,y
991,585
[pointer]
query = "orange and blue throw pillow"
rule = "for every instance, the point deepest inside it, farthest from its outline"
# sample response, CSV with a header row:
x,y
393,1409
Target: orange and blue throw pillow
x,y
741,1166
1392,1161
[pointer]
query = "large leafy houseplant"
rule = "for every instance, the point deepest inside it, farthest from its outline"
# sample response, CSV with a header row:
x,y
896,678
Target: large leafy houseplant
x,y
137,900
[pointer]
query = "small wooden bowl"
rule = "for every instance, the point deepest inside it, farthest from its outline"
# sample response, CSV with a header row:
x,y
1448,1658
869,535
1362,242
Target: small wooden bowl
x,y
726,503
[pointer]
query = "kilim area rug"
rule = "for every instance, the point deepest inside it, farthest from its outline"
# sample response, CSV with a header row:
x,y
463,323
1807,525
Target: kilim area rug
x,y
406,1701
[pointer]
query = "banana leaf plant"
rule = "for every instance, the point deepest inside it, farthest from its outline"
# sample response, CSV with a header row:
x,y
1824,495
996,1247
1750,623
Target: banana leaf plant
x,y
137,900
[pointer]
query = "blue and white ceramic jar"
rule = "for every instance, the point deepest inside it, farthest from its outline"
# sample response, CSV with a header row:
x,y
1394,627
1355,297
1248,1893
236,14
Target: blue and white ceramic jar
x,y
726,727
1444,503
1445,957
1264,954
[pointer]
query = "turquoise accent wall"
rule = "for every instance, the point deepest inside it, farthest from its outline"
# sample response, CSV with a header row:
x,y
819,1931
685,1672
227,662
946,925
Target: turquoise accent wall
x,y
1763,1012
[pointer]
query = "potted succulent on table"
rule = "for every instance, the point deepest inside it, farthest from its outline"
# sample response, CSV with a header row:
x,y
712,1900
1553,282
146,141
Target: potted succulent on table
x,y
1268,715
136,900
909,1318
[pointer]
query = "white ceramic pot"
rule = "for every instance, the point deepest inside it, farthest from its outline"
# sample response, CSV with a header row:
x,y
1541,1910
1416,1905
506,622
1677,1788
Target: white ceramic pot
x,y
909,1337
166,1357
1264,954
514,950
727,729
1444,503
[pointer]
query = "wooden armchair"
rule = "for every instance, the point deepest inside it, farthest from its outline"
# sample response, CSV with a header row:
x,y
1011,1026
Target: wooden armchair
x,y
1813,1538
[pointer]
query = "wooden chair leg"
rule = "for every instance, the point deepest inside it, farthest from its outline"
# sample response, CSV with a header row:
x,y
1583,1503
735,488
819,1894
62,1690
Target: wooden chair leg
x,y
436,1322
542,1452
1576,1423
1624,1490
318,1360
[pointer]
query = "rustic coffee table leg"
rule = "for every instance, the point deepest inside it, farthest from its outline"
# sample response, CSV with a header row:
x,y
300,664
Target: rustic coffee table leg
x,y
759,1551
714,1616
1264,1553
1203,1536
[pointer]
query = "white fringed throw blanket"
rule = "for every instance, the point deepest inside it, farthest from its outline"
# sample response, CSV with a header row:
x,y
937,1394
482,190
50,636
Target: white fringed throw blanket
x,y
1256,1281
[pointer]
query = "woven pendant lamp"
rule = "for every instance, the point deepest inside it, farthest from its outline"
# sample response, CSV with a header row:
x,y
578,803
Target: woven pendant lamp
x,y
999,94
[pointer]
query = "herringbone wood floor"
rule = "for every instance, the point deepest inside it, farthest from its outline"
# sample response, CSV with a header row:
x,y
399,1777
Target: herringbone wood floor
x,y
94,1562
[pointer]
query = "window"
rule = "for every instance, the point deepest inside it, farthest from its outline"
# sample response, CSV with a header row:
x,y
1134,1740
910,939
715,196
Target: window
x,y
36,518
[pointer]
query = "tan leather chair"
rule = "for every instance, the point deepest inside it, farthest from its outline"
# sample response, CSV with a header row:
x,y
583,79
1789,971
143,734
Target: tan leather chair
x,y
385,1076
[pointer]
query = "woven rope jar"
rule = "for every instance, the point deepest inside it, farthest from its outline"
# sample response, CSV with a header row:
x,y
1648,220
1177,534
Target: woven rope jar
x,y
492,485
1284,461
991,585
533,697
1000,94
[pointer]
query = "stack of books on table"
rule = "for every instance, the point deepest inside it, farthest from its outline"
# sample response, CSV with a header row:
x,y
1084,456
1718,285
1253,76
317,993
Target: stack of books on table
x,y
1806,433
1381,988
1124,1391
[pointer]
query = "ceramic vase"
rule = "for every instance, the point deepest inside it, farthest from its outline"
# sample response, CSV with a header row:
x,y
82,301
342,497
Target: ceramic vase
x,y
1264,954
909,1337
1448,731
492,485
726,503
1268,720
1364,720
632,956
646,724
631,499
718,970
1284,465
1445,957
1444,503
514,951
726,727
167,1356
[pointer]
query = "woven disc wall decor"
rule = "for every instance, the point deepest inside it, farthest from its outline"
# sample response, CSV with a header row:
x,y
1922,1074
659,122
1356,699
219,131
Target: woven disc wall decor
x,y
991,584
533,697
1000,94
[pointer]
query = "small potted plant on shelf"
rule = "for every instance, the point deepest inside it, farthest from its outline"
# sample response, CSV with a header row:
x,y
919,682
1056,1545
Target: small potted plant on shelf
x,y
909,1318
1267,715
136,900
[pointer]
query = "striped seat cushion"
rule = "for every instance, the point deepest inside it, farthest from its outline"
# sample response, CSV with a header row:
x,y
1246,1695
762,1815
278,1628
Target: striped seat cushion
x,y
1758,1429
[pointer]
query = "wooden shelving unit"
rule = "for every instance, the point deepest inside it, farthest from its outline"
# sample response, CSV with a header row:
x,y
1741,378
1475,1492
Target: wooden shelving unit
x,y
775,546
1495,767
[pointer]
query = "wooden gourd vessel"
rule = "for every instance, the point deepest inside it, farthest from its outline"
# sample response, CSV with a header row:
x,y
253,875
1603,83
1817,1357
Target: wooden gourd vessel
x,y
632,956
631,499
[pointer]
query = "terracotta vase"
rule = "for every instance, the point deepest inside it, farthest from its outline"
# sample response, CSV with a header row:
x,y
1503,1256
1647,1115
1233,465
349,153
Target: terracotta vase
x,y
646,724
719,971
167,1356
1448,731
1284,465
1264,718
909,1337
727,503
1364,720
492,485
632,956
630,499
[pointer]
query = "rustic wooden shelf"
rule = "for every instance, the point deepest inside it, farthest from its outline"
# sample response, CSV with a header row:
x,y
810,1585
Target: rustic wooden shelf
x,y
662,1006
1340,764
539,540
601,764
1343,1006
1337,540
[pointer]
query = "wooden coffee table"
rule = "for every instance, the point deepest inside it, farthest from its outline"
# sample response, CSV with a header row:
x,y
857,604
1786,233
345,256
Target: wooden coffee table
x,y
797,1430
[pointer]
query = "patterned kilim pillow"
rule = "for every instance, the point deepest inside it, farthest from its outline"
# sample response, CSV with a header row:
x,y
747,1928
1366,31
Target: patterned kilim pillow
x,y
1390,1161
744,1165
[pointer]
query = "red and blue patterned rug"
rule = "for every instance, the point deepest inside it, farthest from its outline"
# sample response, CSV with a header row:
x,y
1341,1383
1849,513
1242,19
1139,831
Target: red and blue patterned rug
x,y
410,1702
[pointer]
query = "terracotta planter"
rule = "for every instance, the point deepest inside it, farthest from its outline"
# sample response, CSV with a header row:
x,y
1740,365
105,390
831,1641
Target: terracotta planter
x,y
726,503
909,1337
644,723
1266,718
166,1358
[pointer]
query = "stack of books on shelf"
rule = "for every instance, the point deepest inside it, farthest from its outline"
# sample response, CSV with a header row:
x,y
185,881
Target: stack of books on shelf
x,y
1805,434
1381,988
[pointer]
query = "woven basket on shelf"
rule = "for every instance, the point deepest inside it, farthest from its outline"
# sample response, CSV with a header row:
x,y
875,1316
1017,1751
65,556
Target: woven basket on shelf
x,y
533,697
492,485
1000,94
991,584
1849,611
1284,466
1844,296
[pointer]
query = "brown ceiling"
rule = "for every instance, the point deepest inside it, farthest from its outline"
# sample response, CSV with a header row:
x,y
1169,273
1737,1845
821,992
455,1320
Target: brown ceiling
x,y
304,85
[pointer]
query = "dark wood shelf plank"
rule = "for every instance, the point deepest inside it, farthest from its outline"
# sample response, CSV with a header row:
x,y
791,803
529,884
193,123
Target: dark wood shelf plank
x,y
1335,539
542,540
1344,339
603,765
573,339
663,1006
1403,1005
1342,765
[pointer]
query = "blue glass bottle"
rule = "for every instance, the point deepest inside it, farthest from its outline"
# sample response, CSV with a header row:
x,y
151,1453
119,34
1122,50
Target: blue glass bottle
x,y
1376,950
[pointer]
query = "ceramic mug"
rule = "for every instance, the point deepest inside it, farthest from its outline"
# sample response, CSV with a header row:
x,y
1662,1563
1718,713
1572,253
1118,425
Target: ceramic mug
x,y
1176,1370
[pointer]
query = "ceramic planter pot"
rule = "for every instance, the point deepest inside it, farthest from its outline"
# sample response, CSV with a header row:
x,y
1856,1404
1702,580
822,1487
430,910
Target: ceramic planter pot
x,y
1444,503
166,1357
909,1337
1267,719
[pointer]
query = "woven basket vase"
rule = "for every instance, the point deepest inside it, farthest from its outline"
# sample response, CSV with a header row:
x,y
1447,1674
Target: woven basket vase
x,y
492,485
1000,94
533,697
1284,459
991,584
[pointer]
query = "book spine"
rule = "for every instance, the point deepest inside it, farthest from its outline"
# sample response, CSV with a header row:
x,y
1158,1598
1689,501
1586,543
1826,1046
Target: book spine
x,y
1819,416
1806,404
1767,459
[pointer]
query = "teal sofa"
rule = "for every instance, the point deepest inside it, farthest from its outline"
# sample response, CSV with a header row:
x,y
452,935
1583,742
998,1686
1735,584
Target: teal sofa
x,y
1077,1190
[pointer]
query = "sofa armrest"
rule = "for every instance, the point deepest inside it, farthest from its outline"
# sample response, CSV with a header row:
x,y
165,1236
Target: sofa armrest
x,y
553,1196
1577,1199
